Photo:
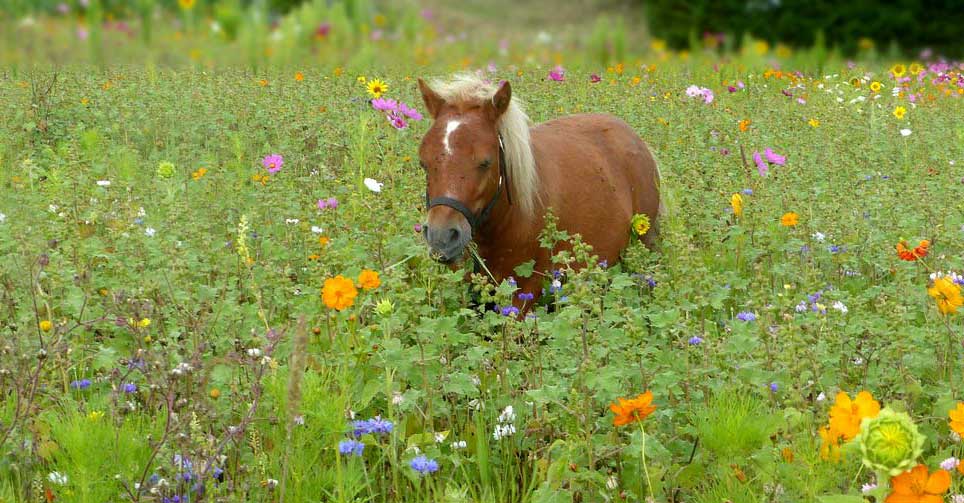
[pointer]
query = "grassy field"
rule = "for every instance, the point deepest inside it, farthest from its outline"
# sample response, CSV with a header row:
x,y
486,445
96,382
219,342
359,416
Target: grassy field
x,y
165,337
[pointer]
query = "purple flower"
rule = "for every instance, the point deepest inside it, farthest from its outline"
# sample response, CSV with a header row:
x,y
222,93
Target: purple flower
x,y
835,249
707,96
397,120
526,297
384,104
332,202
418,228
761,166
695,340
351,446
423,465
747,192
373,426
510,311
81,384
604,264
273,163
409,112
557,74
512,282
746,316
801,307
774,387
731,89
322,204
774,158
130,388
595,78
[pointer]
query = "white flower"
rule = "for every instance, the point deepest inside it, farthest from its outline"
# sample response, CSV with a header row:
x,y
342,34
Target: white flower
x,y
819,236
141,212
3,218
291,220
181,369
150,231
957,498
905,132
53,208
316,229
57,478
694,91
271,483
373,185
950,463
439,438
612,483
299,420
254,352
459,445
868,488
103,183
397,398
858,361
508,415
821,397
502,431
839,306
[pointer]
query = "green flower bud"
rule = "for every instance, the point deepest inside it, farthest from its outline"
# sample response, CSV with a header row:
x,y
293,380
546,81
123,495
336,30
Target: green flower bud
x,y
165,169
890,442
384,307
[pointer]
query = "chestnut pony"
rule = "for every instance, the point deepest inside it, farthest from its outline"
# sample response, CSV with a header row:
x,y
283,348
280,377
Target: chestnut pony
x,y
492,175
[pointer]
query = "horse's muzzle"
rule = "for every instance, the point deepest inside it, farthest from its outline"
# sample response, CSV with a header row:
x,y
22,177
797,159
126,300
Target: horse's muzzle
x,y
447,244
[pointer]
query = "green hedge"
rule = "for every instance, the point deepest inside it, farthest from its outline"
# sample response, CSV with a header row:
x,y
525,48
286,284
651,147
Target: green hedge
x,y
912,25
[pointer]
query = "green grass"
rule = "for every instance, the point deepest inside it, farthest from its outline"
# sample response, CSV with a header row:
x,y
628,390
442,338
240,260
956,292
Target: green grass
x,y
267,397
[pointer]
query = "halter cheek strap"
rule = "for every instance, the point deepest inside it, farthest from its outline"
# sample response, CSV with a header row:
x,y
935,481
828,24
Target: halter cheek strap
x,y
476,220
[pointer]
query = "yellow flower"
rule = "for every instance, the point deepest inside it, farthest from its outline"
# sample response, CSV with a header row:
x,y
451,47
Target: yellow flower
x,y
323,240
875,86
197,175
947,294
377,88
658,45
744,125
736,201
915,69
846,414
214,393
369,280
814,123
144,323
84,101
46,325
898,70
186,4
829,444
339,293
338,71
789,219
899,112
957,419
361,79
640,224
299,76
865,43
263,82
95,415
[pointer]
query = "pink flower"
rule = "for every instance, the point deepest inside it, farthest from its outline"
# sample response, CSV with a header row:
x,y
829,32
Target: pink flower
x,y
397,120
409,112
377,35
557,74
332,202
774,158
801,101
273,163
594,78
761,166
82,33
693,91
731,89
384,104
322,204
323,30
708,96
492,68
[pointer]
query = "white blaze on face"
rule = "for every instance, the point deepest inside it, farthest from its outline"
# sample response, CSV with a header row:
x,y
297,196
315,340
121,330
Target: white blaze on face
x,y
449,129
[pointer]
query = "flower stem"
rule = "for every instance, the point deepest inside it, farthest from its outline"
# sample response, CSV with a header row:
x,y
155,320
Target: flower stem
x,y
649,483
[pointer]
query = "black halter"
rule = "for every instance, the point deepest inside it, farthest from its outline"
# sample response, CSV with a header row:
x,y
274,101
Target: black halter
x,y
476,220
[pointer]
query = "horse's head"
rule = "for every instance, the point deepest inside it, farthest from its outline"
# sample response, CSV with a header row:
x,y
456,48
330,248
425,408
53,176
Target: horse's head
x,y
465,171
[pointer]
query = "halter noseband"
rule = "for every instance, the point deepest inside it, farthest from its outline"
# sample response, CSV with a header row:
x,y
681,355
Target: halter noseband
x,y
476,220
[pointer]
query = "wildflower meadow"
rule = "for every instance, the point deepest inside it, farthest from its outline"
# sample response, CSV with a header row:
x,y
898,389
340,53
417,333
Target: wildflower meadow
x,y
215,284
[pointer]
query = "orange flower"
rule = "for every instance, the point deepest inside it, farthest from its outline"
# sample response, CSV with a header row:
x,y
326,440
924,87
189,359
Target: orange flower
x,y
368,279
632,410
957,419
787,454
744,125
789,219
339,293
829,444
299,76
947,294
917,486
323,240
905,253
846,414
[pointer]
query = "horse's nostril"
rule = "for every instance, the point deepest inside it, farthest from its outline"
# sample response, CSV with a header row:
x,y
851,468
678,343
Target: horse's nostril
x,y
453,235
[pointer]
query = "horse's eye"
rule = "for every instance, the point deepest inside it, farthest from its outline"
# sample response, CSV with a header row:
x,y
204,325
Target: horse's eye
x,y
484,165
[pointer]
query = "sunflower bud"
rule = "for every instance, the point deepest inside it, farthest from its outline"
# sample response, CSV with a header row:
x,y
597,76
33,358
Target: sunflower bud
x,y
890,442
384,307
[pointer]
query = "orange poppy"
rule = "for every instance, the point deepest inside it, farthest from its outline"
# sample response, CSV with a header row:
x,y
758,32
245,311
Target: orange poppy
x,y
632,410
917,486
846,414
957,419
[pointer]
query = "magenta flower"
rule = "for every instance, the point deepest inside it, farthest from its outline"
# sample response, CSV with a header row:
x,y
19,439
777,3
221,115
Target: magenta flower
x,y
761,166
557,74
384,104
594,78
774,158
492,68
731,89
322,204
332,202
273,163
397,120
409,112
323,30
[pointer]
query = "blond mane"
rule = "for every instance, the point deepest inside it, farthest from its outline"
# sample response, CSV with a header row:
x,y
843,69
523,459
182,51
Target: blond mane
x,y
513,126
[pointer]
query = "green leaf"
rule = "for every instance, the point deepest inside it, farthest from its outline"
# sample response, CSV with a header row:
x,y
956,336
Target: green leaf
x,y
525,269
841,498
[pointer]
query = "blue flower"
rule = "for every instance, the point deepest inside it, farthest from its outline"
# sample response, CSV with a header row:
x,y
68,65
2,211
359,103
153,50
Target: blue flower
x,y
81,384
510,311
218,474
512,281
130,388
604,263
748,192
835,249
373,426
695,340
525,297
774,387
138,221
746,316
815,297
352,447
423,465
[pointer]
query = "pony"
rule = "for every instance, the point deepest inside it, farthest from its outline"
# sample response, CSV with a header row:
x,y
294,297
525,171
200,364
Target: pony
x,y
492,175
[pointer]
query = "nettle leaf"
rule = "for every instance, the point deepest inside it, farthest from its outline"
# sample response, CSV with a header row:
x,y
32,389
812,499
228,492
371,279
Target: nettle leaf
x,y
525,269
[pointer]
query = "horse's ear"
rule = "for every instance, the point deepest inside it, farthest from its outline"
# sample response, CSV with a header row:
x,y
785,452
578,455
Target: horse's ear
x,y
433,102
502,98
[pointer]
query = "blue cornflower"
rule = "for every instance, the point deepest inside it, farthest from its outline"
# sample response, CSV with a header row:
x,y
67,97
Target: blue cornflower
x,y
604,263
81,384
510,311
651,281
138,221
695,340
373,425
835,249
183,462
512,281
525,297
813,298
218,474
748,192
423,465
805,249
746,316
352,447
130,388
774,387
